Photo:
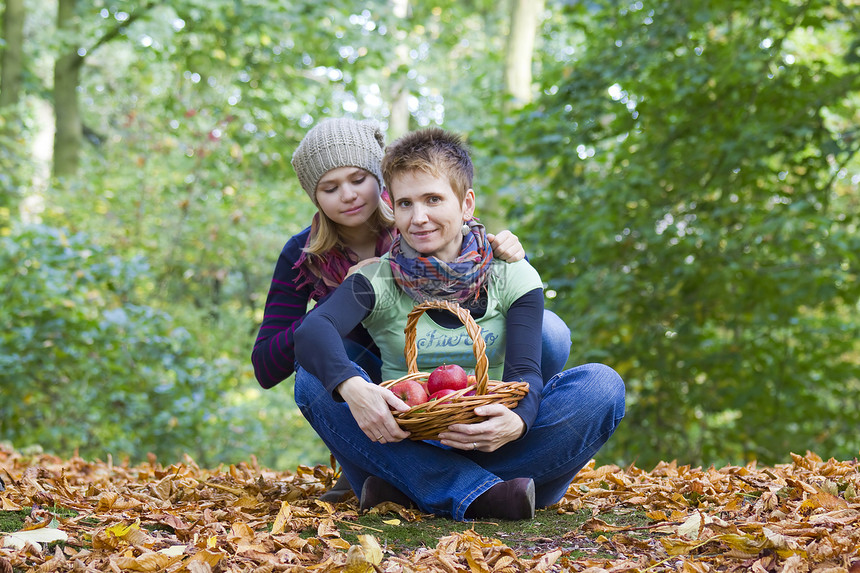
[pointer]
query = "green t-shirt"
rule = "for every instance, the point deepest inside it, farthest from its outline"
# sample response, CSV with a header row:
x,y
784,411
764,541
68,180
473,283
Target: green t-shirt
x,y
436,344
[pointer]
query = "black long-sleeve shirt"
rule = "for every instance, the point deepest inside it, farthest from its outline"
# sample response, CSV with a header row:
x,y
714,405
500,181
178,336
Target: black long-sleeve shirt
x,y
319,351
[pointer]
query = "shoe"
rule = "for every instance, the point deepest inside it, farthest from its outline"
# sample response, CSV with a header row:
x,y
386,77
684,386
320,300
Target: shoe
x,y
376,490
338,492
513,499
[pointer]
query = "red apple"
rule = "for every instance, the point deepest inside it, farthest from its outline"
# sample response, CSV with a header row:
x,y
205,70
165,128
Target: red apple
x,y
440,394
450,376
410,392
472,382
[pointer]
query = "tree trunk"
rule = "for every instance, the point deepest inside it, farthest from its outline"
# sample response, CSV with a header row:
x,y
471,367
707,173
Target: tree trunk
x,y
12,64
525,16
398,121
524,20
68,135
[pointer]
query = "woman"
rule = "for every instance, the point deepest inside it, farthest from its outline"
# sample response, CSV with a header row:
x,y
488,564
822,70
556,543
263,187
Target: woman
x,y
502,467
338,166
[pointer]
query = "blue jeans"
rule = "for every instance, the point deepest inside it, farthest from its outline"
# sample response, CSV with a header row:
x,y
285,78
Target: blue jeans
x,y
365,358
555,345
580,409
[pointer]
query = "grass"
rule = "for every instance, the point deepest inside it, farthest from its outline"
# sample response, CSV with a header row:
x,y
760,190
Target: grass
x,y
547,531
11,521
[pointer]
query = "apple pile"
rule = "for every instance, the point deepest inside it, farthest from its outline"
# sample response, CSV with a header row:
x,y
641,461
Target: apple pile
x,y
443,381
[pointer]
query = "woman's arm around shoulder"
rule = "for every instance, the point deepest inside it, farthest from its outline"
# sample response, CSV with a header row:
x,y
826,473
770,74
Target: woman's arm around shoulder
x,y
506,246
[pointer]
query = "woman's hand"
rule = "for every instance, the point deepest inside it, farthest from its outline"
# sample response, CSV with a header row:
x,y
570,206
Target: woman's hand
x,y
371,407
506,246
501,427
364,263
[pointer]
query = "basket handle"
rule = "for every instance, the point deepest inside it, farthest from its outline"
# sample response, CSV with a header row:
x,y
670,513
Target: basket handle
x,y
479,346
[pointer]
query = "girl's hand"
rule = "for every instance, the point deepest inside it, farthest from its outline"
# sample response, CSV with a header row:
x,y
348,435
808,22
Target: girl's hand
x,y
371,407
506,246
501,427
360,264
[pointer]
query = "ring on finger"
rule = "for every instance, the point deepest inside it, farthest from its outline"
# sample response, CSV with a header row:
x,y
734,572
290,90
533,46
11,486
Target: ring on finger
x,y
474,445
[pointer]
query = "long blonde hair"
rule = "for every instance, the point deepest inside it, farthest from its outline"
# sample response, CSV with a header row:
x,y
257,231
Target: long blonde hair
x,y
325,236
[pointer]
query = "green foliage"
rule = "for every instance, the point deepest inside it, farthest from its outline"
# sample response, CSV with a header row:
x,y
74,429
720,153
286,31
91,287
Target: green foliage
x,y
85,365
699,224
687,186
15,169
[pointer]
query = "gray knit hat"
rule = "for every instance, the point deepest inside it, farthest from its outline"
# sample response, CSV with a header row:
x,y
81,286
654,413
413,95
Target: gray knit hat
x,y
334,143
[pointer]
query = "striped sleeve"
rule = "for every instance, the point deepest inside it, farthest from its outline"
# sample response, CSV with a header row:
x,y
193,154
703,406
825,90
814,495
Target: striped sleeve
x,y
273,356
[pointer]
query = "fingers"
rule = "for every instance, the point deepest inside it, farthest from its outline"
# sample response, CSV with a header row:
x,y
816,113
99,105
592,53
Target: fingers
x,y
465,437
501,427
385,432
390,430
506,246
395,402
371,405
491,410
360,264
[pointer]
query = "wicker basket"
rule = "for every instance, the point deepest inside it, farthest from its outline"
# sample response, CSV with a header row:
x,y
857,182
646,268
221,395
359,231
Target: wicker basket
x,y
426,421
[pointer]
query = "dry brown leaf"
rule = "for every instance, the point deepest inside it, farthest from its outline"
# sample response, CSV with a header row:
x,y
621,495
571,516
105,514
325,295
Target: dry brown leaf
x,y
798,517
281,520
147,562
595,524
198,567
365,557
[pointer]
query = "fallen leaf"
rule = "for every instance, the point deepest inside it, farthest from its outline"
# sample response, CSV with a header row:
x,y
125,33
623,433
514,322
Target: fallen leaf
x,y
281,520
362,558
173,550
20,539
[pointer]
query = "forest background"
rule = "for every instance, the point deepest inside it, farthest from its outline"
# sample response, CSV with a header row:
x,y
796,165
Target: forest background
x,y
684,175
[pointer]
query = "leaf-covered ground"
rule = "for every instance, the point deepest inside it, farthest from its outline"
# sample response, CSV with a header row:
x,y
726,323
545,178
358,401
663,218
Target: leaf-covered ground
x,y
75,515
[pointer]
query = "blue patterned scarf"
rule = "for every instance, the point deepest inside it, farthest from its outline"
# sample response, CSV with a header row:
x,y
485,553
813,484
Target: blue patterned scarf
x,y
460,280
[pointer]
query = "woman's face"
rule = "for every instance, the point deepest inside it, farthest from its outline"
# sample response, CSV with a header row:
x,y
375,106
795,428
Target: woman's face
x,y
429,215
348,196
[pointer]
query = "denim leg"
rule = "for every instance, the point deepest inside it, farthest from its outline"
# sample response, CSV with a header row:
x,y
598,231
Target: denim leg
x,y
440,481
555,345
580,409
365,358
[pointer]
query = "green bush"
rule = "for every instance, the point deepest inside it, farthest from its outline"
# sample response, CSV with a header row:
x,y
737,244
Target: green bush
x,y
86,365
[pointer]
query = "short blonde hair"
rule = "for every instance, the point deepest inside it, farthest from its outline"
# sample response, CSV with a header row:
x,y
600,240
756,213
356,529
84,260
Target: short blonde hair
x,y
434,151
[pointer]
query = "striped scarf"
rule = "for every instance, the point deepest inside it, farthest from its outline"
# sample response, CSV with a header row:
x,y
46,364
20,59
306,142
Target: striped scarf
x,y
460,280
324,273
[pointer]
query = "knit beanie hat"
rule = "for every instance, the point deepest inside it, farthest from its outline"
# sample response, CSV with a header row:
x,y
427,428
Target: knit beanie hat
x,y
334,143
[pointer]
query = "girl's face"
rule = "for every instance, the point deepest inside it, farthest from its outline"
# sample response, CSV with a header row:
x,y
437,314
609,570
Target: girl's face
x,y
348,196
429,215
